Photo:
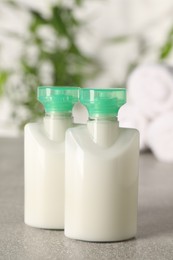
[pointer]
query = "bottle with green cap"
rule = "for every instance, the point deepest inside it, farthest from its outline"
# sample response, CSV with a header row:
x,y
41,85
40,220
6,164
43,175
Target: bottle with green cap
x,y
101,172
44,158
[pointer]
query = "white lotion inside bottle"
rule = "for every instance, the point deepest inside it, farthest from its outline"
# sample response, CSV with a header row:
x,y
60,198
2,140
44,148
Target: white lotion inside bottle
x,y
44,158
101,176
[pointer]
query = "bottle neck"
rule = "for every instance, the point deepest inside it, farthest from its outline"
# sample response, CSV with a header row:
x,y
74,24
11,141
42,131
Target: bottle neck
x,y
103,131
56,124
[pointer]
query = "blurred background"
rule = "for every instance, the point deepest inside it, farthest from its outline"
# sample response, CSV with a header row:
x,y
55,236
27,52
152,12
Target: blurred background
x,y
90,43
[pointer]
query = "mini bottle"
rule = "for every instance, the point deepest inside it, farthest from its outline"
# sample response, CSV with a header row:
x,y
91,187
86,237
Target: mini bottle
x,y
44,158
101,176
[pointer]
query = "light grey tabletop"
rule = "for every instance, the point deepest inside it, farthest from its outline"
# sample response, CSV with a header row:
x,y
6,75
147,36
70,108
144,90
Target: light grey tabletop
x,y
155,217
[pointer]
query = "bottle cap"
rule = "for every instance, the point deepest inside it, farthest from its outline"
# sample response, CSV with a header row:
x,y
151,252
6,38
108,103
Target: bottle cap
x,y
103,102
58,99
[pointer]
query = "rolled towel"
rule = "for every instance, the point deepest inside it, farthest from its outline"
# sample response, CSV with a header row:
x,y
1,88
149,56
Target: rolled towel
x,y
160,137
150,89
129,117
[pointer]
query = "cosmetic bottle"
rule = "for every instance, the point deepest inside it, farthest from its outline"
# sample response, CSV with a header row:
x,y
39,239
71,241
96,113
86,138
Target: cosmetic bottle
x,y
44,158
101,175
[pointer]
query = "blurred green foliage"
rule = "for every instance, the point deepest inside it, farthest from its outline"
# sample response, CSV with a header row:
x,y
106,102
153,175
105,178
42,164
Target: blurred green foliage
x,y
3,80
57,55
167,47
51,55
144,47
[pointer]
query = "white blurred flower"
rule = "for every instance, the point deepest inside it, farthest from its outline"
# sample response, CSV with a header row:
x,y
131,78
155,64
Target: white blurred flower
x,y
32,54
47,34
8,128
40,5
46,73
15,87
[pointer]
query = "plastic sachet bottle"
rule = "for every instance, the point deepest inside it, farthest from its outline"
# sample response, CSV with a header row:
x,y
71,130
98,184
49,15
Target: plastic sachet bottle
x,y
44,158
101,176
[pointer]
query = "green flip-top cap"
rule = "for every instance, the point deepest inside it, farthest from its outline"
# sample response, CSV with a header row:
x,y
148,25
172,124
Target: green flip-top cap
x,y
103,102
58,99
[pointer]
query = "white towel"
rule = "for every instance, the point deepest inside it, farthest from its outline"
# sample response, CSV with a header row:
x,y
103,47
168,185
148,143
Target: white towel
x,y
150,89
129,117
160,137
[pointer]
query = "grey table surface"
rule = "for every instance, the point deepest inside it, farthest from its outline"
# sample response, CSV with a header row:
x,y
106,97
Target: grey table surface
x,y
155,217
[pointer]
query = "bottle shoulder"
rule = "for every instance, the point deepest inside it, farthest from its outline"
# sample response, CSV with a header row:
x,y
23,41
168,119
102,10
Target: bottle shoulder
x,y
34,129
81,130
132,130
35,134
79,137
33,125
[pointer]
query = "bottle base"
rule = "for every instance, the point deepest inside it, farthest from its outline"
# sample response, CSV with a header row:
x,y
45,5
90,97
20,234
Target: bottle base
x,y
101,240
39,226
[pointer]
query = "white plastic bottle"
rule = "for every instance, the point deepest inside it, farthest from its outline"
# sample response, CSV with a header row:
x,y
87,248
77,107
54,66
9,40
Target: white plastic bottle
x,y
44,158
101,176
